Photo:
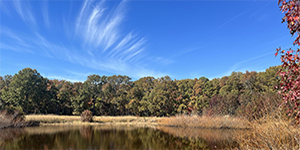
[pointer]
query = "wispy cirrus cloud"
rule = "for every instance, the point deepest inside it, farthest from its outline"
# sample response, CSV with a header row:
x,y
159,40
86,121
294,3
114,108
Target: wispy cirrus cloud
x,y
24,10
246,65
20,44
100,29
46,14
230,20
94,39
3,8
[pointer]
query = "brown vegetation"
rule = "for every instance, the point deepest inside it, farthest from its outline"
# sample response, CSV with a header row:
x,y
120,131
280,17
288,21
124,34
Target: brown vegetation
x,y
216,122
264,133
97,120
13,118
86,116
270,133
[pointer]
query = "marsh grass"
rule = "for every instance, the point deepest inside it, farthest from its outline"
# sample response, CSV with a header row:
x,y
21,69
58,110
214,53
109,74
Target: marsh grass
x,y
52,118
270,133
75,120
216,122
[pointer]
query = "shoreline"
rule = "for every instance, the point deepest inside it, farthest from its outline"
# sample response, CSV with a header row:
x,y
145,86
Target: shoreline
x,y
258,134
59,120
192,122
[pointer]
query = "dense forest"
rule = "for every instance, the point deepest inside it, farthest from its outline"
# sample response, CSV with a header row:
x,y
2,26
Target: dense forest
x,y
246,94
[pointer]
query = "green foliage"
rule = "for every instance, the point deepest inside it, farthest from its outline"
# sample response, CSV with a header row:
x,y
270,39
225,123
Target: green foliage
x,y
4,84
237,94
162,97
90,94
26,90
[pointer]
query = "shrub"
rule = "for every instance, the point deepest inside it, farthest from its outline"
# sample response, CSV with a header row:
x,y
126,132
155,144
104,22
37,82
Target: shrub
x,y
11,117
86,116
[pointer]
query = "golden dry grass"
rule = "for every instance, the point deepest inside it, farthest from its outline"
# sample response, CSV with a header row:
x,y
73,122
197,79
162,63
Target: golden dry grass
x,y
103,120
217,122
265,133
52,118
270,133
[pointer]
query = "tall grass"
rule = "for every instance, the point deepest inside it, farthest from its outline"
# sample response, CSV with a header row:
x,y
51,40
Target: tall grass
x,y
75,120
270,133
210,122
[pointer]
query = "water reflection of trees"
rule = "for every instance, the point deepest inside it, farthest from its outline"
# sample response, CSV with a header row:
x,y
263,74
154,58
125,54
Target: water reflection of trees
x,y
10,134
115,138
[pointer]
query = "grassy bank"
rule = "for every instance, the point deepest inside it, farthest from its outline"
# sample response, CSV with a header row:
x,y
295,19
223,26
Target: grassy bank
x,y
270,133
97,120
221,122
216,122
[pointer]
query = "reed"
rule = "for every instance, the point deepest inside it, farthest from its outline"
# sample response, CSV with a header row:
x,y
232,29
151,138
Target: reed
x,y
105,120
270,133
215,122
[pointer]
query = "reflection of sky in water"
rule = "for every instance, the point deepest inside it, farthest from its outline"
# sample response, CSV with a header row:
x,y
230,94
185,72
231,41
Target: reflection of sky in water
x,y
104,137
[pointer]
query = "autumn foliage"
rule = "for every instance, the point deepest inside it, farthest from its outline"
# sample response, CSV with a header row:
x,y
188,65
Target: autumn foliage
x,y
240,94
86,116
291,8
290,69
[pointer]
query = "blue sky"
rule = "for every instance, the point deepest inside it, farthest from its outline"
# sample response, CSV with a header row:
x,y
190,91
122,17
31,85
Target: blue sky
x,y
183,39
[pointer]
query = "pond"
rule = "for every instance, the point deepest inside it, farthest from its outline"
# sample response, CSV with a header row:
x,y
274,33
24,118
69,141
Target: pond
x,y
114,137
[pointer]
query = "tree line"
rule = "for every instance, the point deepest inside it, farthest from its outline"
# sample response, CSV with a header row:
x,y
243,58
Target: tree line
x,y
237,94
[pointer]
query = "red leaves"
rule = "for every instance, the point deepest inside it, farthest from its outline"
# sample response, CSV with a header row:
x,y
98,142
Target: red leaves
x,y
291,8
290,76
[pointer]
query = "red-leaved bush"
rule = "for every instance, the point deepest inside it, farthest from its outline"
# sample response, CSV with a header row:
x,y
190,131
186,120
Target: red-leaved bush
x,y
291,8
290,71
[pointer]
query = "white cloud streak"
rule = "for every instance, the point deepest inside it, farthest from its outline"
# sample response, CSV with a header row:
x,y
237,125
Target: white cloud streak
x,y
3,8
23,9
102,44
46,14
230,20
20,45
244,65
100,29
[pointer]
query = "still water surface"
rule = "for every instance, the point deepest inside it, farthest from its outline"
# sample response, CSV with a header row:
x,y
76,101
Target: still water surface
x,y
114,137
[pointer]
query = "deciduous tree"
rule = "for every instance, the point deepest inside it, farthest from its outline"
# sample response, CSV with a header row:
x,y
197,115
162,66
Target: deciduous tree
x,y
27,91
290,71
